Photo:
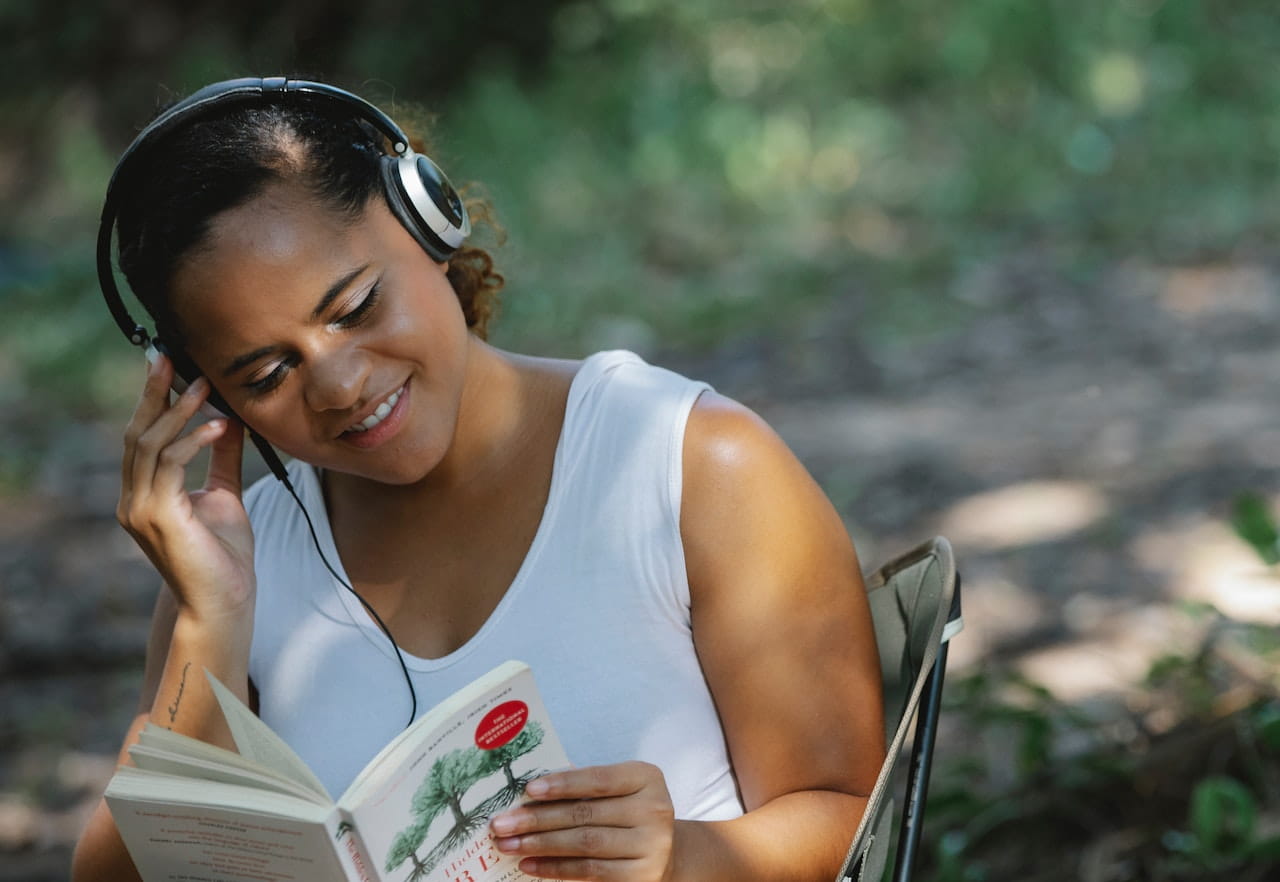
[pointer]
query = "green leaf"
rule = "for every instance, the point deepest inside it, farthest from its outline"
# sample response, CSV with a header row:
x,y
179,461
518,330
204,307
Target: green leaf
x,y
1267,721
1223,813
1254,523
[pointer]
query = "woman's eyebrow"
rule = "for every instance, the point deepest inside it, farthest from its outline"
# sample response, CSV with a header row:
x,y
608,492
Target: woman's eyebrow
x,y
335,289
242,361
247,359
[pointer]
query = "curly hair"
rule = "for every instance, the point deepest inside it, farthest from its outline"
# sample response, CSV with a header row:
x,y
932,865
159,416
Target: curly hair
x,y
191,175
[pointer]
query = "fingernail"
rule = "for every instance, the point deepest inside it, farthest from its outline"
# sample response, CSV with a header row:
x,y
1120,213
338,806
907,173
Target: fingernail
x,y
511,843
537,787
198,385
504,824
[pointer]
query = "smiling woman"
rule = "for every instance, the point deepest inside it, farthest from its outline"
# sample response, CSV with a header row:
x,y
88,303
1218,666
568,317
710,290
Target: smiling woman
x,y
651,548
359,313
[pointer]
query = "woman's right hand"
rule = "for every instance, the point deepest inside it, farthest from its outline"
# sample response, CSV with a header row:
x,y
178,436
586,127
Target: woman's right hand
x,y
201,541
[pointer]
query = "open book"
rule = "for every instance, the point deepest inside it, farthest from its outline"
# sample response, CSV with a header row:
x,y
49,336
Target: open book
x,y
419,811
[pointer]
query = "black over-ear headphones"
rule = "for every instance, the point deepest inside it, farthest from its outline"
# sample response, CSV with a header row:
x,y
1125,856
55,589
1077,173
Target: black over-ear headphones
x,y
416,190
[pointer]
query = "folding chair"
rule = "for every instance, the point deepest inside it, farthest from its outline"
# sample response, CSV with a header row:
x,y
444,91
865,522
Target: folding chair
x,y
915,607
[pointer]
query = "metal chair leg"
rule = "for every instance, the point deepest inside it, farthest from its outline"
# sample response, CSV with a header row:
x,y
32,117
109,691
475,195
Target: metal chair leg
x,y
918,773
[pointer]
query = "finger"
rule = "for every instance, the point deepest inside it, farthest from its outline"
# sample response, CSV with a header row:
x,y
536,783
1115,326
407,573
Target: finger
x,y
151,403
592,782
605,843
578,868
171,465
226,460
163,431
543,816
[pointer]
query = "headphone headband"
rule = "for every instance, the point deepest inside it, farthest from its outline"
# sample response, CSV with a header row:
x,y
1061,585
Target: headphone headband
x,y
243,91
264,90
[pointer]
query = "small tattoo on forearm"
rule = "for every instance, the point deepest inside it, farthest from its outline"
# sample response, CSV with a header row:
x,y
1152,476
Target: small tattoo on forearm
x,y
182,686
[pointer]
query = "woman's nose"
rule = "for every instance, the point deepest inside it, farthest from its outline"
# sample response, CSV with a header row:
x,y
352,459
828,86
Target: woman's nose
x,y
336,378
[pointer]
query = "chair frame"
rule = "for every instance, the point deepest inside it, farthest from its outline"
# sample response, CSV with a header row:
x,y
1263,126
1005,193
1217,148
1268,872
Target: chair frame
x,y
923,706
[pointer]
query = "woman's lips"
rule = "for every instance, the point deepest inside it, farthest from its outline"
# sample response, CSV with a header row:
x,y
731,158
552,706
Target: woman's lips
x,y
385,428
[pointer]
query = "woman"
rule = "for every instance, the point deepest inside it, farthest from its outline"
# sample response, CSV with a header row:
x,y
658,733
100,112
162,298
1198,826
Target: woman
x,y
685,594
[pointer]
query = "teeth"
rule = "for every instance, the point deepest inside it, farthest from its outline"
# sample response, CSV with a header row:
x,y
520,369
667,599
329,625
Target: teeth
x,y
379,414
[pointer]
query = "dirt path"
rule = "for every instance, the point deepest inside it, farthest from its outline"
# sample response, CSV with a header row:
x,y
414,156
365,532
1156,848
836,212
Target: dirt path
x,y
1080,447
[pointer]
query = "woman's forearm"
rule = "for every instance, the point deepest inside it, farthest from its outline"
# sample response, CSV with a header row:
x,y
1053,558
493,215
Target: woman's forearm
x,y
184,702
799,836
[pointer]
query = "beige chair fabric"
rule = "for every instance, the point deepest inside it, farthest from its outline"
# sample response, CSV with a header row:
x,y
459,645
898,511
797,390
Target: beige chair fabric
x,y
911,600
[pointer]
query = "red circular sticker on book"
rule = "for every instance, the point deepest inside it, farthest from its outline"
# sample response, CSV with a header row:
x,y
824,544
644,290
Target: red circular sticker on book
x,y
501,724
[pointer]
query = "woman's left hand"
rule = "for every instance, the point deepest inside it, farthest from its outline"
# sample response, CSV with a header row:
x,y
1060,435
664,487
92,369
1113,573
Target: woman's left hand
x,y
606,823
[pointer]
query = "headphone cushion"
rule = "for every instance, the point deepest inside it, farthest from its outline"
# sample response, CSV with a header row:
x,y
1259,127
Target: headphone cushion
x,y
403,206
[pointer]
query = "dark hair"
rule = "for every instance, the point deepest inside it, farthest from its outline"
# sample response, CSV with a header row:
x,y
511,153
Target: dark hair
x,y
197,172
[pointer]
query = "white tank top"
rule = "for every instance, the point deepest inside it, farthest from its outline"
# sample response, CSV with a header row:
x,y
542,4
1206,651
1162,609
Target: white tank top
x,y
599,608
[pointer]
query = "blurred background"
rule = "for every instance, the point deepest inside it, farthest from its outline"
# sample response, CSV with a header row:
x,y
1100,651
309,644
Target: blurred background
x,y
996,269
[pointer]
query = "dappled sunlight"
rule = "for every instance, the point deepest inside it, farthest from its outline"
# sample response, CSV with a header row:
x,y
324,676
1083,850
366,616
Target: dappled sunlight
x,y
1113,658
1204,562
1023,514
1112,637
1076,671
1204,291
1118,82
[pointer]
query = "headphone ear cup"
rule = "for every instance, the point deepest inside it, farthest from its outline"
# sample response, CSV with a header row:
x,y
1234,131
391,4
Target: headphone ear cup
x,y
424,201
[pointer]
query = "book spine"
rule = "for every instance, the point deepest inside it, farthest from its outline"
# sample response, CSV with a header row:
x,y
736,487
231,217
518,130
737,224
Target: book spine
x,y
350,849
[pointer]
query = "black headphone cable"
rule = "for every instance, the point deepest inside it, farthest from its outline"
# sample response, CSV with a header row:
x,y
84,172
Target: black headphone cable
x,y
413,695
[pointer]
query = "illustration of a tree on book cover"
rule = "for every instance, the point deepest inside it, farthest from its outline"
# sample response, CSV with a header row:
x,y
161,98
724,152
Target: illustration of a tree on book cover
x,y
450,780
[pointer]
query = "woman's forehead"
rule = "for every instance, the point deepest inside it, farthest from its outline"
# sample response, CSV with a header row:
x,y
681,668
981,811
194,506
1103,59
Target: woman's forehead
x,y
280,246
275,225
283,226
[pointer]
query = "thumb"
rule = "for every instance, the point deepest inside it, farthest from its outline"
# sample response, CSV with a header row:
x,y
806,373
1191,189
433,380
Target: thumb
x,y
225,458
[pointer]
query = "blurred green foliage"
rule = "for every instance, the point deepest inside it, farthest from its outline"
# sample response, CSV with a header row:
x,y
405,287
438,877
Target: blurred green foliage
x,y
1186,788
675,173
701,166
1253,522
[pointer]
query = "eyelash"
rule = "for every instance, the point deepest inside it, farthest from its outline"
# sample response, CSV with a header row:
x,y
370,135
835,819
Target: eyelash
x,y
270,381
353,319
360,314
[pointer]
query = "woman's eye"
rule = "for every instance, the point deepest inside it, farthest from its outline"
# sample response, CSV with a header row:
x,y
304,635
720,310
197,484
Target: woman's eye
x,y
270,381
361,311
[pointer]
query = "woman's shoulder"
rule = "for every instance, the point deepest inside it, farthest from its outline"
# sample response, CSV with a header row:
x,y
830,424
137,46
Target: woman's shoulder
x,y
733,460
725,439
745,490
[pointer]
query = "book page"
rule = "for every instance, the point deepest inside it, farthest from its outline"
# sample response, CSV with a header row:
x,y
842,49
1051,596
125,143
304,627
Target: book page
x,y
157,759
255,740
166,751
170,841
423,811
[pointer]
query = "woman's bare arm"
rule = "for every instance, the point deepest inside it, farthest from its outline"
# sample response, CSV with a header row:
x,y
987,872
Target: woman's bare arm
x,y
784,635
202,545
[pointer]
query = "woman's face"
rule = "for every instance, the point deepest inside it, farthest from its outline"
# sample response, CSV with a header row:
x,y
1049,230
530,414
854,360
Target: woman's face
x,y
341,342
